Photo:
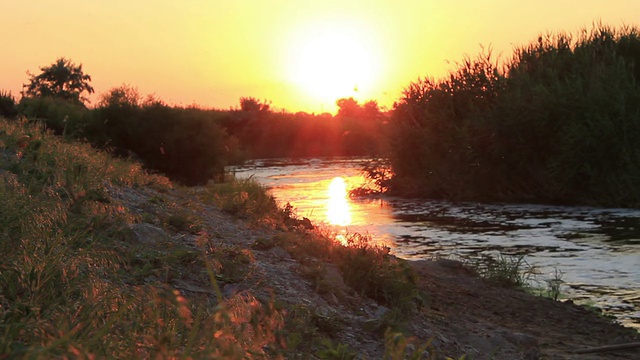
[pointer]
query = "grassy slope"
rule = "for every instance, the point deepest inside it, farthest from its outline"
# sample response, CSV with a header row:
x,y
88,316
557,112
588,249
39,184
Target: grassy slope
x,y
76,282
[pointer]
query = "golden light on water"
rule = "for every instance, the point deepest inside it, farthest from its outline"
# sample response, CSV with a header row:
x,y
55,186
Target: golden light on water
x,y
338,210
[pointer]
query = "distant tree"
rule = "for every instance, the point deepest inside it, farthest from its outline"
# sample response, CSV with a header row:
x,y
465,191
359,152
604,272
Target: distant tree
x,y
349,108
63,79
123,95
250,104
371,109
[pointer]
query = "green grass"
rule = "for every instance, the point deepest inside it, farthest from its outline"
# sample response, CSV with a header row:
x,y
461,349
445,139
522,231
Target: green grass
x,y
243,198
365,267
74,283
73,286
504,270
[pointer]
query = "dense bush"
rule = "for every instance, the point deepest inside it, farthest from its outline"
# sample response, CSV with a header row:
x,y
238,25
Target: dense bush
x,y
7,105
355,130
187,144
62,116
559,122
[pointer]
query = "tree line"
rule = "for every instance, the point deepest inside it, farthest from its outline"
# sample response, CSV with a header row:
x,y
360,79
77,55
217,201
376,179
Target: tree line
x,y
189,144
557,122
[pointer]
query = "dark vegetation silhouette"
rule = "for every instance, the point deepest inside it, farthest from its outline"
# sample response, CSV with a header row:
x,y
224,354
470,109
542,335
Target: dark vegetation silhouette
x,y
558,122
189,144
267,134
63,79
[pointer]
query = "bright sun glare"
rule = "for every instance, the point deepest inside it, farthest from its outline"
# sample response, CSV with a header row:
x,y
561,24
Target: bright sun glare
x,y
338,212
333,61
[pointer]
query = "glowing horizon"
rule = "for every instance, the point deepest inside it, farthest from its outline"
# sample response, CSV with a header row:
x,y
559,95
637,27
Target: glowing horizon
x,y
298,56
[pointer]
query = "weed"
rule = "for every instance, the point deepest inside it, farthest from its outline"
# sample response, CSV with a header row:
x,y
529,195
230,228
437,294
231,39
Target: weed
x,y
243,198
504,270
554,284
335,352
184,221
398,346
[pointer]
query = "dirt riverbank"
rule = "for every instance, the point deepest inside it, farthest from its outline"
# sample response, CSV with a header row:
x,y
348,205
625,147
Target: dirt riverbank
x,y
461,315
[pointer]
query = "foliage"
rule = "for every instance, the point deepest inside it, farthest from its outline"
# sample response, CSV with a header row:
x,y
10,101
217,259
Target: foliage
x,y
338,352
398,346
378,173
7,104
553,285
554,124
63,79
72,286
503,270
243,198
263,133
60,115
367,268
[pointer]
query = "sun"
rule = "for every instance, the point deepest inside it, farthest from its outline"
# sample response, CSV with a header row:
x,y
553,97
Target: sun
x,y
333,61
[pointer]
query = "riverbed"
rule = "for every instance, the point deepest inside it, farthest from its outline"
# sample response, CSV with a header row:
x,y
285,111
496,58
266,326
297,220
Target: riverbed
x,y
594,252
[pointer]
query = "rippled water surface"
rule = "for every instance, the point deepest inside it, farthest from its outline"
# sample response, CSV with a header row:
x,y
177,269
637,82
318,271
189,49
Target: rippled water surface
x,y
597,250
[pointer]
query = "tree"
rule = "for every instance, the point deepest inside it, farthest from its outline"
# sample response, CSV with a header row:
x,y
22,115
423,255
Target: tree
x,y
349,108
124,95
62,79
253,105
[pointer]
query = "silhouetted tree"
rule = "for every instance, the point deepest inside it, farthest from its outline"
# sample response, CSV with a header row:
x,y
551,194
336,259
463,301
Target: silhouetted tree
x,y
250,104
123,95
63,79
348,108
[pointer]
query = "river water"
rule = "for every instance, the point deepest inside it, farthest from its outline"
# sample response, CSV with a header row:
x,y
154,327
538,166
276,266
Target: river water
x,y
595,251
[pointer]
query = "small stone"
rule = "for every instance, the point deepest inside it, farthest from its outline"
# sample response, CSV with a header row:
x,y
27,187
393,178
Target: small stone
x,y
146,233
522,340
280,253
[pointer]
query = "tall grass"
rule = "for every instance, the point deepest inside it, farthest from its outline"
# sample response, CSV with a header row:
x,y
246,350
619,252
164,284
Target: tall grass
x,y
75,284
558,122
68,274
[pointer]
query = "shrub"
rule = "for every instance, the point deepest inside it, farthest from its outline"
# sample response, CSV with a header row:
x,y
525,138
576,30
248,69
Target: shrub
x,y
7,105
556,123
62,116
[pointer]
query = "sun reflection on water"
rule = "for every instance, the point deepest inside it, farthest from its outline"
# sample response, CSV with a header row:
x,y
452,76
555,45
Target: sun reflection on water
x,y
338,210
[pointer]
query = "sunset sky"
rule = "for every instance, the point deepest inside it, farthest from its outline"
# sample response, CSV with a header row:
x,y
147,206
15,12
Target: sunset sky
x,y
300,55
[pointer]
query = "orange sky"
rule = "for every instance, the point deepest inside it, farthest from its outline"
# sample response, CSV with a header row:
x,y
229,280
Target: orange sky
x,y
300,55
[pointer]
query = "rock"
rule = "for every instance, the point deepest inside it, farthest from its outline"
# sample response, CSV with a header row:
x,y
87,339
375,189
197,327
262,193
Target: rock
x,y
380,312
334,279
146,233
183,285
279,253
522,340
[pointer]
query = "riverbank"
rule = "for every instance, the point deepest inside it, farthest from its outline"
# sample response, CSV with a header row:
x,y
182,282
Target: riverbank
x,y
460,314
103,260
593,251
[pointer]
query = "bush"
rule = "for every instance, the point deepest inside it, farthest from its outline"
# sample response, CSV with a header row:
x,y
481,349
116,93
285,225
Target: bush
x,y
186,144
558,123
7,105
62,116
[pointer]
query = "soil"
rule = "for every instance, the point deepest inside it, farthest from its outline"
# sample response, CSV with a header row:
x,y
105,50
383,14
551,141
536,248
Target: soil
x,y
462,314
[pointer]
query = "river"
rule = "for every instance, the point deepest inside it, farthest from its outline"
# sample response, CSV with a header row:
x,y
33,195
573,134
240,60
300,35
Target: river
x,y
594,251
